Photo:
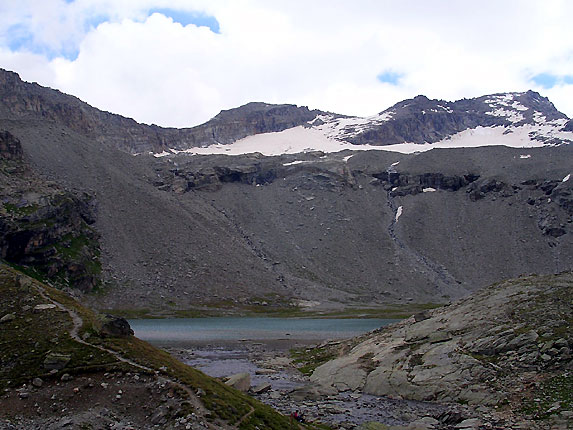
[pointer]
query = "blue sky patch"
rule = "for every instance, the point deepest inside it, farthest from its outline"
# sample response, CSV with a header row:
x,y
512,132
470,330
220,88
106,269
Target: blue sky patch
x,y
545,80
548,80
185,18
390,77
20,38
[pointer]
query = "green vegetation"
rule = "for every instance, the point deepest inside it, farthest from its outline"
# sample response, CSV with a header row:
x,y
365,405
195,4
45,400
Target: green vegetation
x,y
24,346
551,397
228,308
308,359
20,210
31,335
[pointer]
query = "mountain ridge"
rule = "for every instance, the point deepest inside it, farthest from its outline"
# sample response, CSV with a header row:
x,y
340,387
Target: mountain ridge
x,y
417,120
334,229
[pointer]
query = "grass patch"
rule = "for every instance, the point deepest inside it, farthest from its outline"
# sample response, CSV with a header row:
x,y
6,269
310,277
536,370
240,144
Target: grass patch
x,y
20,210
228,308
308,359
552,396
23,346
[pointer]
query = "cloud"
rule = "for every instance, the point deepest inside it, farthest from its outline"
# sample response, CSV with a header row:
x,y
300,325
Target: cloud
x,y
179,62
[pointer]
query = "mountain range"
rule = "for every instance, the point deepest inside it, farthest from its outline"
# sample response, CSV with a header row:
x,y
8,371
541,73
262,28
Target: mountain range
x,y
283,206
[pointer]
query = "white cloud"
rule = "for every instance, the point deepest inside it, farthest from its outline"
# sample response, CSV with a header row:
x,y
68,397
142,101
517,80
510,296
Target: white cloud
x,y
325,54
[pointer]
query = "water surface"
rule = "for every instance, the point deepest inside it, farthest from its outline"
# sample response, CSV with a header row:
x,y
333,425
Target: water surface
x,y
182,330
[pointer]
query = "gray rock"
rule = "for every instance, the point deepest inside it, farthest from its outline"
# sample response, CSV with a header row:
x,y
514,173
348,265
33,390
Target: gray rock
x,y
37,382
115,327
159,418
262,388
44,306
8,318
240,381
56,361
469,424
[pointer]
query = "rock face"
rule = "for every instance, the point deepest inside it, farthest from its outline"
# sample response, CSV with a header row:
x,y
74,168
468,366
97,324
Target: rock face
x,y
482,350
10,147
44,226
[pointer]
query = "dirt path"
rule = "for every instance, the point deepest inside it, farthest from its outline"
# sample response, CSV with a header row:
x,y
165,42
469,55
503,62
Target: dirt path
x,y
77,323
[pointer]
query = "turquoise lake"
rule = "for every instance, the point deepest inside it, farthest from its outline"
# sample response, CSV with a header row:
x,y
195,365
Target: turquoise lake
x,y
228,329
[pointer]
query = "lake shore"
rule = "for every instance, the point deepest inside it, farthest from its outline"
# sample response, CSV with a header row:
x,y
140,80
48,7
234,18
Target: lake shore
x,y
271,363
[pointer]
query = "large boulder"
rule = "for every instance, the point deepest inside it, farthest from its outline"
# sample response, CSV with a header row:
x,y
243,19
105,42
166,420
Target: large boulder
x,y
115,327
240,381
56,361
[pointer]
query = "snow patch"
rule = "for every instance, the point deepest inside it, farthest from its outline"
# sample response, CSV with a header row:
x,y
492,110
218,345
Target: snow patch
x,y
345,159
525,156
395,164
518,106
447,109
429,190
510,115
566,178
292,163
343,128
161,154
398,213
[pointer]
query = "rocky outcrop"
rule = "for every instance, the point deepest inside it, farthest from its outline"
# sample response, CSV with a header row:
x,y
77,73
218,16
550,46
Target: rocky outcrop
x,y
10,147
402,184
43,226
486,349
212,173
234,124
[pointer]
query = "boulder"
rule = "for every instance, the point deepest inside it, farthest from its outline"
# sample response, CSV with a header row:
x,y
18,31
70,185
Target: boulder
x,y
240,381
115,327
7,318
56,361
262,388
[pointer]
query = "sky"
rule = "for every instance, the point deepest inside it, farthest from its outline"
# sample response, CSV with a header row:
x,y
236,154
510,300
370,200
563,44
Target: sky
x,y
177,63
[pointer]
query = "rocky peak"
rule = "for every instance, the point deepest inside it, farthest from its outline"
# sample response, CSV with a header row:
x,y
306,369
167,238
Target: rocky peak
x,y
253,118
424,120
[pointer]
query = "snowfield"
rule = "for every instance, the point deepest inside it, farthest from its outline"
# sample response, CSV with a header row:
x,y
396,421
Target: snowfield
x,y
303,139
